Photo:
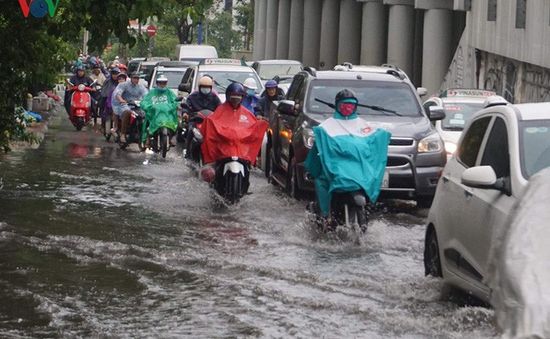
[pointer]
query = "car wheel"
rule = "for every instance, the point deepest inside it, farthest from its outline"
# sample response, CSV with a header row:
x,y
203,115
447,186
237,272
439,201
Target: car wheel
x,y
432,261
424,201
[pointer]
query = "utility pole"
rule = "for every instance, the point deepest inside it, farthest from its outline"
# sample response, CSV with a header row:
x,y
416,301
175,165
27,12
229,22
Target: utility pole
x,y
85,42
228,5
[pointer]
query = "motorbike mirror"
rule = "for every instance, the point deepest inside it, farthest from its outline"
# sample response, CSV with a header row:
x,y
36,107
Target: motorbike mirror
x,y
93,83
287,107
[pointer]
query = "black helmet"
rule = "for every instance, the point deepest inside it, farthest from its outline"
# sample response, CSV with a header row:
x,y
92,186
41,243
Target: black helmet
x,y
234,88
345,94
134,75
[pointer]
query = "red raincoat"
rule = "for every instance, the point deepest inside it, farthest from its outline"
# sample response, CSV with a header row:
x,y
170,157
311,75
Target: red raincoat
x,y
232,132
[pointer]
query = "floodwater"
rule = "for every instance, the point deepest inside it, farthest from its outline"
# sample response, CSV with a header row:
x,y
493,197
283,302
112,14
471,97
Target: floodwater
x,y
99,242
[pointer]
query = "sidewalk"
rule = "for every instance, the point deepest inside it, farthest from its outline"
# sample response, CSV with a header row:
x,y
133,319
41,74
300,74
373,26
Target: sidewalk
x,y
38,129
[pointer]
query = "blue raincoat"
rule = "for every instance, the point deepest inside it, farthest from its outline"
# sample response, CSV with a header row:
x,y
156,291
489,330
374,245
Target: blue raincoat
x,y
348,155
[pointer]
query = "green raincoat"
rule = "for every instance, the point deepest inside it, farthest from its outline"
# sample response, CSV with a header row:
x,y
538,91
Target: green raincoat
x,y
160,107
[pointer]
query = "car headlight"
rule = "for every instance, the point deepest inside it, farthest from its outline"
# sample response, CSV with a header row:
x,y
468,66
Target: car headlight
x,y
431,143
308,136
450,147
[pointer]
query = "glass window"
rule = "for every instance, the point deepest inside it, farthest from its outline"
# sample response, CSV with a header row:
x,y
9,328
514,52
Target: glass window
x,y
269,71
395,96
469,148
294,87
496,153
534,146
521,13
492,10
223,79
457,114
174,78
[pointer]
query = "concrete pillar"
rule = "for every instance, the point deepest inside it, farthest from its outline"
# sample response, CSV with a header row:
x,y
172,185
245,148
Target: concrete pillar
x,y
401,37
349,49
328,53
259,29
283,29
296,36
271,29
312,30
436,52
374,33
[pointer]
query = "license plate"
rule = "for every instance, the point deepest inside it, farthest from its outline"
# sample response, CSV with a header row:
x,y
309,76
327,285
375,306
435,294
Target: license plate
x,y
386,180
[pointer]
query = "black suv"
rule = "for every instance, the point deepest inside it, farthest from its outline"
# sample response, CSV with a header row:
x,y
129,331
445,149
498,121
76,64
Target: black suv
x,y
416,154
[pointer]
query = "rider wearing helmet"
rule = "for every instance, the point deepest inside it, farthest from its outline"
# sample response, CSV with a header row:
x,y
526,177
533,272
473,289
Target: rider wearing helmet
x,y
348,154
271,93
250,100
203,99
78,78
129,91
160,107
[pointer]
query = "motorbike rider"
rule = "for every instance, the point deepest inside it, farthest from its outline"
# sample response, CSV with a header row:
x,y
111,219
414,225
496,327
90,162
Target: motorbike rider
x,y
160,107
272,93
97,75
250,101
105,108
125,92
230,117
79,78
348,154
203,99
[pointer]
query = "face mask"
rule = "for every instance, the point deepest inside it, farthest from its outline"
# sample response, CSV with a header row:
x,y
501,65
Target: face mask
x,y
346,108
206,90
251,92
235,100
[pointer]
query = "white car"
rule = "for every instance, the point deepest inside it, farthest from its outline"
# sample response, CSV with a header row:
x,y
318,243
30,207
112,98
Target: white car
x,y
501,148
459,106
174,75
223,72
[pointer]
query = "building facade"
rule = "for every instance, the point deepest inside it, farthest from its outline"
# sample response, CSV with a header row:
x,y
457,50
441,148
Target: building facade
x,y
499,45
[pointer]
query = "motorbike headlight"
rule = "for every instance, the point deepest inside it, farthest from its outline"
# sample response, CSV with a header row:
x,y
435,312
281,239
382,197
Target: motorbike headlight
x,y
81,87
308,136
431,143
450,147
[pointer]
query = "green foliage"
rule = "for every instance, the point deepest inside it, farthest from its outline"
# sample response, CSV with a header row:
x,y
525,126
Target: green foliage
x,y
244,19
222,35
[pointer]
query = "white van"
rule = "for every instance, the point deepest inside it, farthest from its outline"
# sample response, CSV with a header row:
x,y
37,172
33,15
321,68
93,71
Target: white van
x,y
196,52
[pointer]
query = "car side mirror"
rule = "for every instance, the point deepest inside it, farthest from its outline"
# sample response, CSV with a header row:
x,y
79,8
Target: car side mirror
x,y
287,107
479,177
422,91
436,113
184,88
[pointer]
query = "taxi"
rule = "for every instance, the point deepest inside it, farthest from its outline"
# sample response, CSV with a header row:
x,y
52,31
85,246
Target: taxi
x,y
223,72
459,105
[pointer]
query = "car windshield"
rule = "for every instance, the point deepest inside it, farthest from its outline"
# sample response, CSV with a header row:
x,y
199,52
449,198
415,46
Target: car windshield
x,y
223,79
397,97
535,146
457,114
147,70
174,78
133,66
267,71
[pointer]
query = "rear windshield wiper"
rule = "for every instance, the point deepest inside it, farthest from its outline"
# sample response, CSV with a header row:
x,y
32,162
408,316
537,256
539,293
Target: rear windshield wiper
x,y
375,108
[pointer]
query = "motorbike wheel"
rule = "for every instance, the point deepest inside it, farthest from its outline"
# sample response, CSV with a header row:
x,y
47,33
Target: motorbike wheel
x,y
233,188
79,124
164,141
360,217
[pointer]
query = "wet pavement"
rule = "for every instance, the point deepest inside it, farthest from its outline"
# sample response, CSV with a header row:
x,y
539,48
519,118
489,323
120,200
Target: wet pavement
x,y
99,242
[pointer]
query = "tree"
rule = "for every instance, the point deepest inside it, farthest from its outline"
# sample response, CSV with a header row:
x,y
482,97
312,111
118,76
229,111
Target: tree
x,y
185,18
245,21
222,36
39,47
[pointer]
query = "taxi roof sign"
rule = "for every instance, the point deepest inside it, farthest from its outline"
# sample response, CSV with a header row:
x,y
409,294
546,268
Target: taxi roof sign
x,y
466,92
221,61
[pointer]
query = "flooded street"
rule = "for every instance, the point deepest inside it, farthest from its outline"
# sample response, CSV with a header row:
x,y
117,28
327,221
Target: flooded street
x,y
95,241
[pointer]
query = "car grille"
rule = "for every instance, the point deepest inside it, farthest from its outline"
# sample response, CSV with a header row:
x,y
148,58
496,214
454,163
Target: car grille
x,y
401,142
396,162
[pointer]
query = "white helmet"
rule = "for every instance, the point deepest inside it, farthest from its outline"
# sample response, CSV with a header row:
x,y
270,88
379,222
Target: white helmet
x,y
250,83
162,78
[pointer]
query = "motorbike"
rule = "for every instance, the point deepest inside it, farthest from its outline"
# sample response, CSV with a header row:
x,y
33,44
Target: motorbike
x,y
349,207
228,176
133,134
194,139
81,105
